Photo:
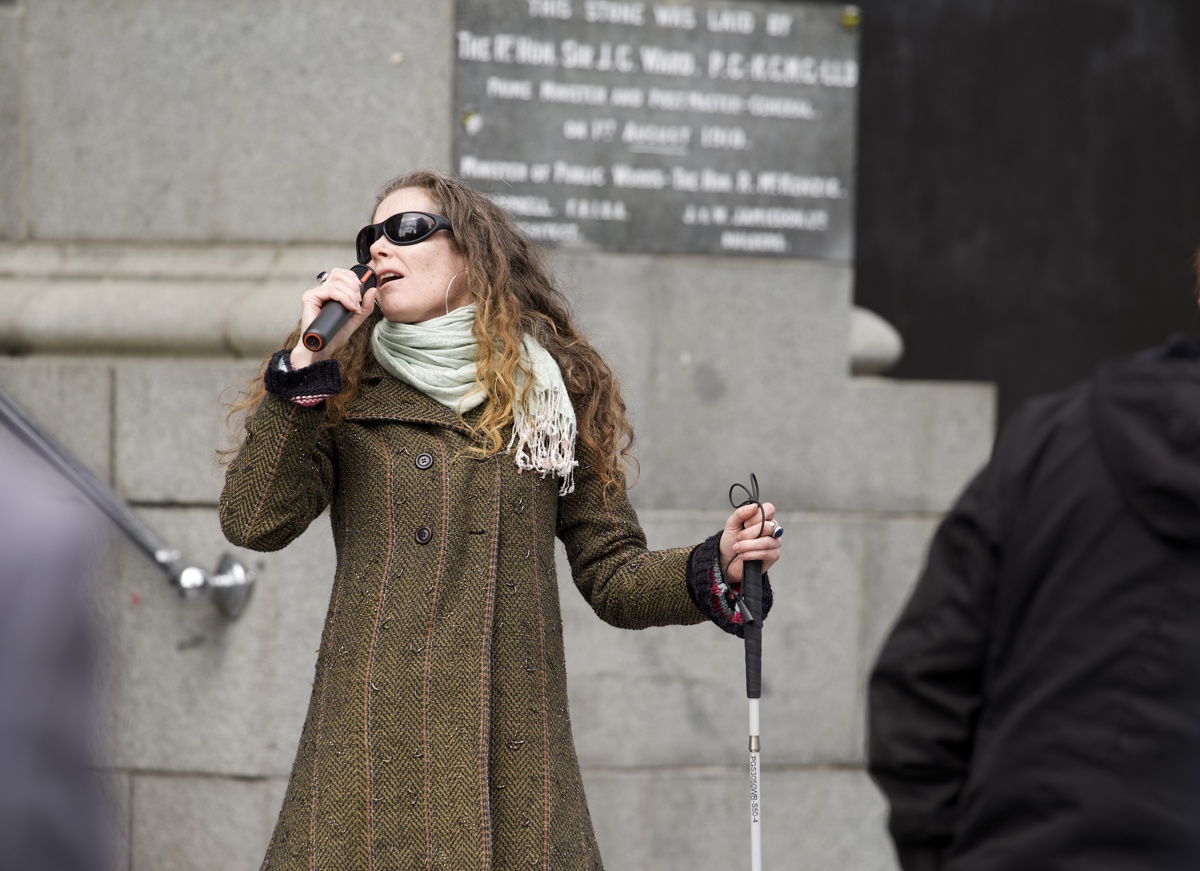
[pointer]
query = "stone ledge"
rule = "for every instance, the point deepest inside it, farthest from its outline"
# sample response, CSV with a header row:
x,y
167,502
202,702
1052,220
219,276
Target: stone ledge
x,y
210,300
222,300
105,261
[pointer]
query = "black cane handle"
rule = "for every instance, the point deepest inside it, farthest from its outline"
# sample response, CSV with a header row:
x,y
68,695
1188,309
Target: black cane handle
x,y
752,593
752,596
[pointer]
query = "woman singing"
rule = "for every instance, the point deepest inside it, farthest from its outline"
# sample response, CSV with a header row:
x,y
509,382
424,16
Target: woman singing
x,y
455,426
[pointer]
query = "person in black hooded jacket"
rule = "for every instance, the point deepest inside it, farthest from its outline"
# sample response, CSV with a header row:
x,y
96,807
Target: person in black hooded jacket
x,y
1037,704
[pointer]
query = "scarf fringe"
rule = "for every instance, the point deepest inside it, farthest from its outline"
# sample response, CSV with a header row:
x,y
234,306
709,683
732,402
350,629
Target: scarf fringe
x,y
543,437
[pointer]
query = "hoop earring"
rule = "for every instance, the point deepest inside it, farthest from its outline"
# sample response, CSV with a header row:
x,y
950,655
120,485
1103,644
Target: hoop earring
x,y
448,286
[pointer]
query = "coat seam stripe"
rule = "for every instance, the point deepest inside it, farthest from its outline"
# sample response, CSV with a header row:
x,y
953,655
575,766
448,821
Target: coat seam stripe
x,y
387,566
537,585
437,589
485,681
312,825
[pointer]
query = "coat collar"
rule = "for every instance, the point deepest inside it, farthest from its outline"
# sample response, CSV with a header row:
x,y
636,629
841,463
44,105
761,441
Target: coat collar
x,y
381,396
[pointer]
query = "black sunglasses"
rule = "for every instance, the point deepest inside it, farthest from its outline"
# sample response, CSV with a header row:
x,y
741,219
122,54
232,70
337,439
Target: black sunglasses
x,y
406,228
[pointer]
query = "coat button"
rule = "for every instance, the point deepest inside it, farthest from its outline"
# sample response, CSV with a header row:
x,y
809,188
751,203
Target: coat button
x,y
424,535
424,461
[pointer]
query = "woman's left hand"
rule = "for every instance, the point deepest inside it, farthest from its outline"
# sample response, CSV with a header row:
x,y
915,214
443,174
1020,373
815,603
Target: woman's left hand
x,y
750,534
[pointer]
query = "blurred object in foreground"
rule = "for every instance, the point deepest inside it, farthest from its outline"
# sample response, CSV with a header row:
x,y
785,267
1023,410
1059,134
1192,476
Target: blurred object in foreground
x,y
51,814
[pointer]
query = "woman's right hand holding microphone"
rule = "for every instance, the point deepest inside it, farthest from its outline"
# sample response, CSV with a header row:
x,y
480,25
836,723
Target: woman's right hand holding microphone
x,y
340,286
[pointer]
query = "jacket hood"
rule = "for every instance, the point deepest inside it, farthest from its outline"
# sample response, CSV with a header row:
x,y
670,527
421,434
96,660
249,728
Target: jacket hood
x,y
1146,414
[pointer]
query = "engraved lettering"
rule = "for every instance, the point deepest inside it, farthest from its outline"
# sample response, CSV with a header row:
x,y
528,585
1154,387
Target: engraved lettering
x,y
567,173
603,129
766,243
781,107
560,9
779,24
714,182
596,210
676,17
683,179
531,52
627,98
506,48
610,12
509,89
652,179
584,95
603,58
730,21
550,232
788,185
664,62
495,170
533,207
573,128
728,138
705,215
781,219
694,101
503,45
783,69
656,134
739,111
474,48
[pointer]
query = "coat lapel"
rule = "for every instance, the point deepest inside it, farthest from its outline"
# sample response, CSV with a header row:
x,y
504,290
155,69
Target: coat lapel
x,y
383,397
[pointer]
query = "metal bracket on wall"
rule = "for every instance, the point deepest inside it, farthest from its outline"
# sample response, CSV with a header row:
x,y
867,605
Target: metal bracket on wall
x,y
229,586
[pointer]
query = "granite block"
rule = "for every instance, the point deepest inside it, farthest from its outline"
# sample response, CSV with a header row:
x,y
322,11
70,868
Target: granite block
x,y
185,688
12,201
171,419
117,787
684,819
894,551
194,823
229,121
70,400
715,359
681,690
879,446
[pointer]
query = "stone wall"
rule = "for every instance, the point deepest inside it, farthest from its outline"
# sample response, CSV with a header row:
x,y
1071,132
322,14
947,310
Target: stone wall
x,y
172,175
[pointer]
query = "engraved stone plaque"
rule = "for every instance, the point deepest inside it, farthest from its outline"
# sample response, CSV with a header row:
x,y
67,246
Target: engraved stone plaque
x,y
701,127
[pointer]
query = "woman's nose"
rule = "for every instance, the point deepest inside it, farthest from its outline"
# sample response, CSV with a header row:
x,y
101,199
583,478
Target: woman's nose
x,y
379,247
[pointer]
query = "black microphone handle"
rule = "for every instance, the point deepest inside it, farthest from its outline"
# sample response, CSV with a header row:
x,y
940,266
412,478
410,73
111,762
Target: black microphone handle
x,y
333,314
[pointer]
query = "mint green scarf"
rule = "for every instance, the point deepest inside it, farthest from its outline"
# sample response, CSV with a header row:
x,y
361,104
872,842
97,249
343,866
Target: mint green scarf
x,y
437,357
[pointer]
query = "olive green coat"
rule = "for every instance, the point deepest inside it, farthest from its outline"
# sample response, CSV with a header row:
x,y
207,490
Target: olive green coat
x,y
438,734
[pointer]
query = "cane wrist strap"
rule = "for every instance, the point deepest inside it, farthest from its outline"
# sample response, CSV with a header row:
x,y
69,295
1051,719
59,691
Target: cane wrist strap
x,y
713,595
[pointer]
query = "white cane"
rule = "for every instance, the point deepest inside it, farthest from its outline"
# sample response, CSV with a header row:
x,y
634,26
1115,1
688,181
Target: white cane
x,y
750,603
752,593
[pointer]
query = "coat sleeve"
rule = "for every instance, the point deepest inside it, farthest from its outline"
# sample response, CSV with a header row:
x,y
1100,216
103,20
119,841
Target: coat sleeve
x,y
626,584
926,689
281,479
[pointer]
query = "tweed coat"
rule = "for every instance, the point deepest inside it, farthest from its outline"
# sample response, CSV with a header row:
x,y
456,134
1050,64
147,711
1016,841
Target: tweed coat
x,y
437,733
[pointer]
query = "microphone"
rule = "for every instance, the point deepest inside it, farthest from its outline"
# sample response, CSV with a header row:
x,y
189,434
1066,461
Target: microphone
x,y
333,314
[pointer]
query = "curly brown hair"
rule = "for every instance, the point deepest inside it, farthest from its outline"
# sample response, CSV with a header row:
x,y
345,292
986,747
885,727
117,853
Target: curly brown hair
x,y
514,296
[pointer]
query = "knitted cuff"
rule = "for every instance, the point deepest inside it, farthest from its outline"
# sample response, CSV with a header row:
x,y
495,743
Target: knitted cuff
x,y
715,598
309,386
